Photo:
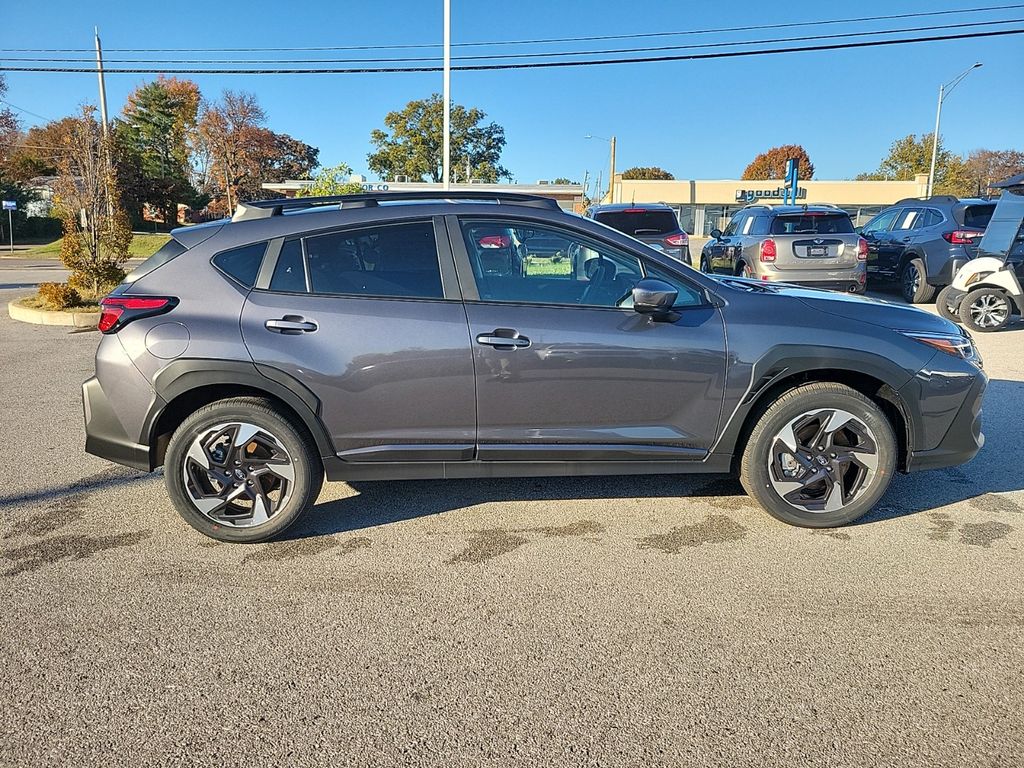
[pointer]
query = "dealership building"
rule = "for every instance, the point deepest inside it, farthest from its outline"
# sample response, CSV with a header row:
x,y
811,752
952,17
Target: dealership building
x,y
701,205
706,205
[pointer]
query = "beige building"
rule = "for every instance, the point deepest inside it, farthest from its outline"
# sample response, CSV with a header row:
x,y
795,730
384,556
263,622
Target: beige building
x,y
704,205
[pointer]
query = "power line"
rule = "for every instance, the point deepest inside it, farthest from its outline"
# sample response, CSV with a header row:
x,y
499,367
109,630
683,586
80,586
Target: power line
x,y
22,109
537,41
526,65
554,54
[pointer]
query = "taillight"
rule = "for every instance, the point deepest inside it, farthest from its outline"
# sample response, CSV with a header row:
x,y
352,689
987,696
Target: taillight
x,y
862,249
768,251
961,237
117,311
677,240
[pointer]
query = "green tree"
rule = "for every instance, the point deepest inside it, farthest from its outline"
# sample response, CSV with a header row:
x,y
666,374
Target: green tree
x,y
332,181
912,155
158,121
412,143
651,173
9,131
772,163
97,231
987,166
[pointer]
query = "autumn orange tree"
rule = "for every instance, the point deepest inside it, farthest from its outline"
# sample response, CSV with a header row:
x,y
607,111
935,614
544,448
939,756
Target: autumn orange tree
x,y
97,231
772,163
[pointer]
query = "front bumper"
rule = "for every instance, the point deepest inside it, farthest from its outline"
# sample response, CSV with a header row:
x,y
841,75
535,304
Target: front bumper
x,y
962,438
105,436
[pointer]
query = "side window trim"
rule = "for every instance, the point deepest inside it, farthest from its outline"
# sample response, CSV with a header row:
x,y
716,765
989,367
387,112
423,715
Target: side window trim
x,y
269,264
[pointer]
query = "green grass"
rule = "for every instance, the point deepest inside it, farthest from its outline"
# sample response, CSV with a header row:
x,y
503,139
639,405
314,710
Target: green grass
x,y
539,266
142,247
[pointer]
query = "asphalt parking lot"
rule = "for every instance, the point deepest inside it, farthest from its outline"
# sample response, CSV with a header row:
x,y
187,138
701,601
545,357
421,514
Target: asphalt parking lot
x,y
611,621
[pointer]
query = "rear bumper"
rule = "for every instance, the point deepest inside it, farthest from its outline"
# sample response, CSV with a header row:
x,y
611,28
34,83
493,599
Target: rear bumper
x,y
846,286
104,434
962,440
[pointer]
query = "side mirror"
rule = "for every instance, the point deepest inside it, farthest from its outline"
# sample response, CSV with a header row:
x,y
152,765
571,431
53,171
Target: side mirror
x,y
654,297
716,233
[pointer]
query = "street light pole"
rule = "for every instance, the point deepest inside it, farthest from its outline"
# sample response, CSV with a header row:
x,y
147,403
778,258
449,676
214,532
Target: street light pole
x,y
611,164
944,91
447,109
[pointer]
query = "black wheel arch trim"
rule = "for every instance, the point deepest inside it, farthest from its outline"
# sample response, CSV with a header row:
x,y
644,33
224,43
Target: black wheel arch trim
x,y
783,364
186,375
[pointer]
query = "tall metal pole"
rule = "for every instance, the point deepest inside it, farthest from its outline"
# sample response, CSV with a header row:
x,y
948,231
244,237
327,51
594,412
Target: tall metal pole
x,y
103,86
935,142
611,174
447,128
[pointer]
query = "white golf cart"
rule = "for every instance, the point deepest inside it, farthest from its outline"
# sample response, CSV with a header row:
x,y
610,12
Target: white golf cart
x,y
986,291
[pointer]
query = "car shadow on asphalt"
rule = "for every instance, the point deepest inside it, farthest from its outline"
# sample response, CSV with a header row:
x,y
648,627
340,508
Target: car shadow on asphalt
x,y
995,471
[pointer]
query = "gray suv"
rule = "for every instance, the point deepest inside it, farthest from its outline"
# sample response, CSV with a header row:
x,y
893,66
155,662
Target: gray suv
x,y
814,245
398,337
655,224
922,242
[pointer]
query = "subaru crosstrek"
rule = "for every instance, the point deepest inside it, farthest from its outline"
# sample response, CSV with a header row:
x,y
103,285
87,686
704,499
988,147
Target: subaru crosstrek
x,y
370,338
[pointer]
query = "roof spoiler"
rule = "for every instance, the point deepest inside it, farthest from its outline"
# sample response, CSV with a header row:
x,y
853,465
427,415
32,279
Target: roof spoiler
x,y
264,209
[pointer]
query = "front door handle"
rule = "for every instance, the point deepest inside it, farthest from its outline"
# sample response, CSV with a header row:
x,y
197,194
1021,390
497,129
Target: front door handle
x,y
503,338
291,325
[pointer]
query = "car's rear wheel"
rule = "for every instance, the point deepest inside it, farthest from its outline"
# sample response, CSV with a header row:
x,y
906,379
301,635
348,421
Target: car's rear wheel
x,y
943,305
913,284
985,310
241,471
820,456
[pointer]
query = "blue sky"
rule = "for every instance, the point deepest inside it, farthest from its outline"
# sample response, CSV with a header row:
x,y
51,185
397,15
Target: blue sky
x,y
704,119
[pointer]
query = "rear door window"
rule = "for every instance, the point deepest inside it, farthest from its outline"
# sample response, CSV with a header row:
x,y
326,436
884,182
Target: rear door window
x,y
640,222
812,224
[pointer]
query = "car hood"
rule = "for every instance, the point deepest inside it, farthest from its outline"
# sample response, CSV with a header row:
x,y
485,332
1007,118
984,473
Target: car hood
x,y
885,314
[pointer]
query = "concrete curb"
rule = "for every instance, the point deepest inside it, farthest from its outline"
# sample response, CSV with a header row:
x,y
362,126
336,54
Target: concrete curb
x,y
47,317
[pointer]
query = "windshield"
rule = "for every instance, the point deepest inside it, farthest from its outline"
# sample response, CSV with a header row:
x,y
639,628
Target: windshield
x,y
813,224
640,221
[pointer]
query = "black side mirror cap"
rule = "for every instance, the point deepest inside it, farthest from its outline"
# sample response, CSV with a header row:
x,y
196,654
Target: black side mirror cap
x,y
716,233
654,297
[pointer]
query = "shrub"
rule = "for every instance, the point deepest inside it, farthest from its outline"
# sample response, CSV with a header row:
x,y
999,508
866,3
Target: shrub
x,y
100,281
58,295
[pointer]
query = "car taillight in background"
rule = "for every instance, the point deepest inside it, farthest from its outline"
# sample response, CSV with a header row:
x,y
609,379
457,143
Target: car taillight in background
x,y
677,241
961,236
768,251
117,311
862,249
495,241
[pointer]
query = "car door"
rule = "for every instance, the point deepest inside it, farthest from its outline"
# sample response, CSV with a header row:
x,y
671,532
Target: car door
x,y
879,239
566,370
370,319
902,233
727,249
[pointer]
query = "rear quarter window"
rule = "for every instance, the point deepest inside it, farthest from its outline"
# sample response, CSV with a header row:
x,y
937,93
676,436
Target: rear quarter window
x,y
242,264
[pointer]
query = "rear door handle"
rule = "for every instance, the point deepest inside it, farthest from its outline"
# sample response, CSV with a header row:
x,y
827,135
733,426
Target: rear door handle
x,y
503,338
291,325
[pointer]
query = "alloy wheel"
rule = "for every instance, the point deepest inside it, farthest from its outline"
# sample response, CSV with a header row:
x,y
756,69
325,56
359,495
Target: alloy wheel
x,y
822,460
989,311
911,282
238,474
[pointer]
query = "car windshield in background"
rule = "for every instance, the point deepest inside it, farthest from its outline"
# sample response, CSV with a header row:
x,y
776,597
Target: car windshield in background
x,y
977,216
813,224
640,221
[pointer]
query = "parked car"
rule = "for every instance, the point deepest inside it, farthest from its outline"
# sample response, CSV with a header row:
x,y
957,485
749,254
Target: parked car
x,y
652,223
813,245
922,242
373,340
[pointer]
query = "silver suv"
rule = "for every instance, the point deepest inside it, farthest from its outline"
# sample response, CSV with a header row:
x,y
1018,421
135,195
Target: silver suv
x,y
814,245
369,338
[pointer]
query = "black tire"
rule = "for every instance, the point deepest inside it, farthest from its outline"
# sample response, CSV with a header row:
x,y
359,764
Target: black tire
x,y
976,318
743,270
705,265
794,405
913,283
293,437
943,307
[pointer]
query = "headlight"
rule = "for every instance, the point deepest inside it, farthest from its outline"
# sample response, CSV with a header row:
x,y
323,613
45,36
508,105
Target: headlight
x,y
955,345
977,277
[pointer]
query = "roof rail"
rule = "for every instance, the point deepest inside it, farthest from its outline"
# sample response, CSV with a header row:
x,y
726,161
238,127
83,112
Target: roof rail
x,y
263,209
948,199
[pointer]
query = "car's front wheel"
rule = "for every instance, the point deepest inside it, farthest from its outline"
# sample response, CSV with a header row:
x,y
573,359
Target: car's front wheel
x,y
240,471
705,265
820,456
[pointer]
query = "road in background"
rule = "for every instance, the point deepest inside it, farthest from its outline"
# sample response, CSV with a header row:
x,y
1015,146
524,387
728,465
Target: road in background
x,y
612,621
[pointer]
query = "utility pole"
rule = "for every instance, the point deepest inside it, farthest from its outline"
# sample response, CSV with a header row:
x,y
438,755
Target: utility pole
x,y
944,91
445,170
103,86
611,174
